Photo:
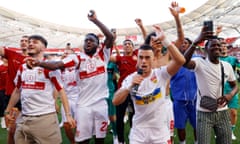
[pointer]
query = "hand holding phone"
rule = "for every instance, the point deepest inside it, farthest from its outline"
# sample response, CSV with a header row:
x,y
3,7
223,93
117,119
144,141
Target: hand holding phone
x,y
91,13
209,25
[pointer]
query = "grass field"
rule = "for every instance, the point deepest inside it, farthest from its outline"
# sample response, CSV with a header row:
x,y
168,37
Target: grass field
x,y
108,140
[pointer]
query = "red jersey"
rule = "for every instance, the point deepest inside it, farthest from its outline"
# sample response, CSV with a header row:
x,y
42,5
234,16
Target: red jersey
x,y
14,61
126,65
3,76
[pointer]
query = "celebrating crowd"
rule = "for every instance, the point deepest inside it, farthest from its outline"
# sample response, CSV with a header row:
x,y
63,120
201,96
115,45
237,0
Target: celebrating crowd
x,y
162,84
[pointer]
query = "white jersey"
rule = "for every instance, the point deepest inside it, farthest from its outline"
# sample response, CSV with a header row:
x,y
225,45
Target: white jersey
x,y
150,110
92,76
36,89
209,79
69,78
169,105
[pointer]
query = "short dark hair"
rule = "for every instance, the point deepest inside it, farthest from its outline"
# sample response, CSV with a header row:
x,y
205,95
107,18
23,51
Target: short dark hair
x,y
220,38
187,39
40,38
148,38
146,47
210,40
25,36
128,40
94,35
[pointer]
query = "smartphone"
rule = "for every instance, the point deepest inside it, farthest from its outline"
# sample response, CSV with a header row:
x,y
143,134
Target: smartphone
x,y
209,25
91,13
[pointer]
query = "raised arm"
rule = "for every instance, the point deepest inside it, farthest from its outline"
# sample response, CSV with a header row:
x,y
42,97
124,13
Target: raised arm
x,y
218,30
114,32
108,35
140,25
113,57
177,59
1,51
180,33
189,52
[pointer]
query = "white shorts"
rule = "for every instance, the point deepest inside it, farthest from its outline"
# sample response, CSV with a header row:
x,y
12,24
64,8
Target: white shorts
x,y
148,135
169,107
92,120
72,104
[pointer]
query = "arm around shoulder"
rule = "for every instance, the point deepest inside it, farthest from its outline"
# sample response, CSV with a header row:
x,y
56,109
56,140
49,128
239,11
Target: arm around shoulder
x,y
108,34
52,65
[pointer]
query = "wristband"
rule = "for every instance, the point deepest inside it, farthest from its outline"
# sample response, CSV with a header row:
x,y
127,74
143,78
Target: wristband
x,y
166,42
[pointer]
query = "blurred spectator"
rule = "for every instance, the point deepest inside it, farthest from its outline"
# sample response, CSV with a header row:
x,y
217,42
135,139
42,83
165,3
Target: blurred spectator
x,y
3,79
211,73
233,103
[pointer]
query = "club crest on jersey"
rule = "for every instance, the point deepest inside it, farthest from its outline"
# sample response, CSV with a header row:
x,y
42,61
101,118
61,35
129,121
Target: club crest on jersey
x,y
40,71
97,57
71,69
30,77
91,66
154,79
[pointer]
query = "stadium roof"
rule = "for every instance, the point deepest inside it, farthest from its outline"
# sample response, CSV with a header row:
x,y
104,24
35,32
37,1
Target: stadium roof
x,y
223,12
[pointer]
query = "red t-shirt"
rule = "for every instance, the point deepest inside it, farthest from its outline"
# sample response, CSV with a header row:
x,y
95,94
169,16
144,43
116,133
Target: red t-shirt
x,y
126,65
3,76
14,61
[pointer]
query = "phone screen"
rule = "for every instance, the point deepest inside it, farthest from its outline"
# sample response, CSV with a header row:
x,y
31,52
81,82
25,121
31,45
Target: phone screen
x,y
209,25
